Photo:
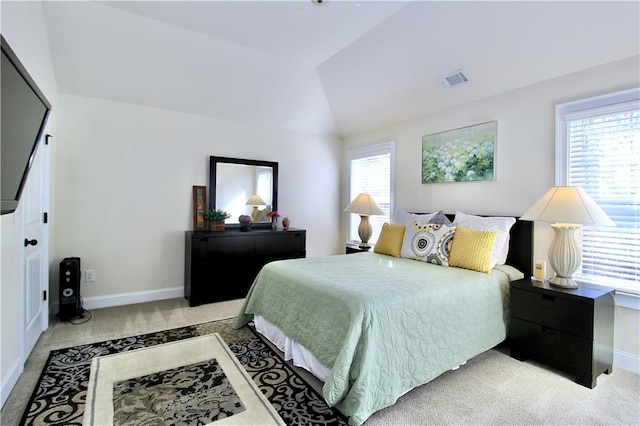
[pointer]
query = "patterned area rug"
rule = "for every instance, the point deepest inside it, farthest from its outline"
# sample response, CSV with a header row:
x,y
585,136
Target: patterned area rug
x,y
60,394
187,382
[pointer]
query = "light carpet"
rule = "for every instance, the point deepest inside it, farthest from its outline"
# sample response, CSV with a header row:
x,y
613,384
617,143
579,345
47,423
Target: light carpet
x,y
491,388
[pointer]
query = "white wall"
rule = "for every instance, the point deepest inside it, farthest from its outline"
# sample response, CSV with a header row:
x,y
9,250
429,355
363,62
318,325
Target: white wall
x,y
121,179
525,161
23,28
124,190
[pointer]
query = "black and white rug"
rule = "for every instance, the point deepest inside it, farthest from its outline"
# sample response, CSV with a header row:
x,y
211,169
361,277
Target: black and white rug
x,y
60,394
195,381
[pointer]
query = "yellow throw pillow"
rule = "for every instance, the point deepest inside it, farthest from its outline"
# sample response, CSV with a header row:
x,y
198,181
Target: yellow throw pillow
x,y
471,249
390,240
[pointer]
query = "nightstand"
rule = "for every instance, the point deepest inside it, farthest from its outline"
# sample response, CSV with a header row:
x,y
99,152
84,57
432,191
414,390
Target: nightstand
x,y
570,330
355,248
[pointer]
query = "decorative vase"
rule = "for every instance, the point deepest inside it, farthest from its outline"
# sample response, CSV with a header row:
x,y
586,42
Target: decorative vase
x,y
285,223
274,223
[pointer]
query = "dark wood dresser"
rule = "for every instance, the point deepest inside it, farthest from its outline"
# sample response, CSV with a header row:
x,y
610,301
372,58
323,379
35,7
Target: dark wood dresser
x,y
570,330
222,265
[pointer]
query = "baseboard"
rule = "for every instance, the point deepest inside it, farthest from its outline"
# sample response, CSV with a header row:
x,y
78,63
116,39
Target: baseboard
x,y
10,379
111,300
626,361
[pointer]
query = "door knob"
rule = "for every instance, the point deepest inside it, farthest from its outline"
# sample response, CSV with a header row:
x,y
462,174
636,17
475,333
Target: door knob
x,y
28,242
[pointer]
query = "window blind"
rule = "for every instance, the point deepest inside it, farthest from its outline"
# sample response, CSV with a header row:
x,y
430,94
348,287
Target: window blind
x,y
603,157
264,183
370,173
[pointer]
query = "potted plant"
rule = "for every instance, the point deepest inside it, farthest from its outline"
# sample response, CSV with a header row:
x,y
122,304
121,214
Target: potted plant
x,y
216,219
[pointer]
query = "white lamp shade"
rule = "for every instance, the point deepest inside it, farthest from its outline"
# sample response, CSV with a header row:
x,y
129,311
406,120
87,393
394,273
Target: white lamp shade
x,y
255,200
364,204
568,204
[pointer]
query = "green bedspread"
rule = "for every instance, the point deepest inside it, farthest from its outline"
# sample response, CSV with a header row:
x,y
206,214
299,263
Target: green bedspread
x,y
383,325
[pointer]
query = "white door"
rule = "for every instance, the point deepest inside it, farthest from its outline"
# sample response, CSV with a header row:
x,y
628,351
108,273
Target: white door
x,y
35,244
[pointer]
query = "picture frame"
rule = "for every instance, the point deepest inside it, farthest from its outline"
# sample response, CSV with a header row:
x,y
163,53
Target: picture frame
x,y
465,154
199,207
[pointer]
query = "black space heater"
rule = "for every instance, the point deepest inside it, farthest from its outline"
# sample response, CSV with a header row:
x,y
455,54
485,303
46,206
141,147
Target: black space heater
x,y
70,303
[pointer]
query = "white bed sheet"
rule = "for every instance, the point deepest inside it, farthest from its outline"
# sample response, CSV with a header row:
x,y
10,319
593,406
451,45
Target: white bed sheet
x,y
292,350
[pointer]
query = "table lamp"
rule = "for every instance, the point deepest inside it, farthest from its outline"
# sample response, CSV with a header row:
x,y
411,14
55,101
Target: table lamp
x,y
255,200
568,207
365,206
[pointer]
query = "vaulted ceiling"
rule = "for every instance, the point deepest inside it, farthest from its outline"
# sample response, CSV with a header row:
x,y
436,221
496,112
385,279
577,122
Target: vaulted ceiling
x,y
338,67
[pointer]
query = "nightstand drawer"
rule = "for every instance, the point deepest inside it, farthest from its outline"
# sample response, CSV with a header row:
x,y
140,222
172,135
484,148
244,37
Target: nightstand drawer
x,y
570,316
552,346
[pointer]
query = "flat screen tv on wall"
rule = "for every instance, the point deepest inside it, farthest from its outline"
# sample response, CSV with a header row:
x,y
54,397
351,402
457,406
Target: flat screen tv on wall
x,y
24,112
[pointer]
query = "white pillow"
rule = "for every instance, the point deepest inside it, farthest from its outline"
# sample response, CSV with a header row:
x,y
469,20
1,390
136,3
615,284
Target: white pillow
x,y
401,217
500,224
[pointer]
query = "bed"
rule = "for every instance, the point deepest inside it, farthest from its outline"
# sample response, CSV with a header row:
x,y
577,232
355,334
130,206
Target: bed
x,y
373,326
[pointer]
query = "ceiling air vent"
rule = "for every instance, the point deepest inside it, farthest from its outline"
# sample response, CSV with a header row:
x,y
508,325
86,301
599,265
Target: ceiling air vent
x,y
453,79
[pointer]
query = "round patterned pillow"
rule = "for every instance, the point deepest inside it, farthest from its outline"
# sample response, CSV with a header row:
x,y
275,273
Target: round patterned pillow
x,y
428,242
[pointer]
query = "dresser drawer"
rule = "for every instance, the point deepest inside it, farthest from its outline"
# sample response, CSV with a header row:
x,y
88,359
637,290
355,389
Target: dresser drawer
x,y
280,243
226,246
552,311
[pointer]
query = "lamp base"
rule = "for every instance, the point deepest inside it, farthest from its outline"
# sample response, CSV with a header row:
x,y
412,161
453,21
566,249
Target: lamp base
x,y
564,255
364,231
560,282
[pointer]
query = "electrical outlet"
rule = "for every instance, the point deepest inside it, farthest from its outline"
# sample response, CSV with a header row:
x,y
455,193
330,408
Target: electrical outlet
x,y
89,275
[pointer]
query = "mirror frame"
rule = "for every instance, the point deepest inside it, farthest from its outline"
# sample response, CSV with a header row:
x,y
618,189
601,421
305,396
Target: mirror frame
x,y
213,168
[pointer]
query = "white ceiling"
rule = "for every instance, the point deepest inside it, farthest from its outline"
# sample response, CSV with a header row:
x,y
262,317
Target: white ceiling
x,y
341,67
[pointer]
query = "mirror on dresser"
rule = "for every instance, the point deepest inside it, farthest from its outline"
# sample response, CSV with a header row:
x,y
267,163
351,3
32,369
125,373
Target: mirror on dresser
x,y
234,181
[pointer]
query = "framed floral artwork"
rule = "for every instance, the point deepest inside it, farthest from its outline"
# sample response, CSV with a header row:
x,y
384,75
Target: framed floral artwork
x,y
199,207
460,155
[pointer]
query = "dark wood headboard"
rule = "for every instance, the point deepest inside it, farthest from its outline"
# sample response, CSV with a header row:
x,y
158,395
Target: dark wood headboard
x,y
521,247
520,254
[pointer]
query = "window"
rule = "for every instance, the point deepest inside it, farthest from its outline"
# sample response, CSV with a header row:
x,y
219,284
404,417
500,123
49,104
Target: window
x,y
370,171
264,183
598,149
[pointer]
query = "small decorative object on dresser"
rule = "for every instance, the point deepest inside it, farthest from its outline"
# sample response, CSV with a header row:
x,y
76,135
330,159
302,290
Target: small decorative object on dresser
x,y
568,329
273,215
286,222
216,219
199,208
245,222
